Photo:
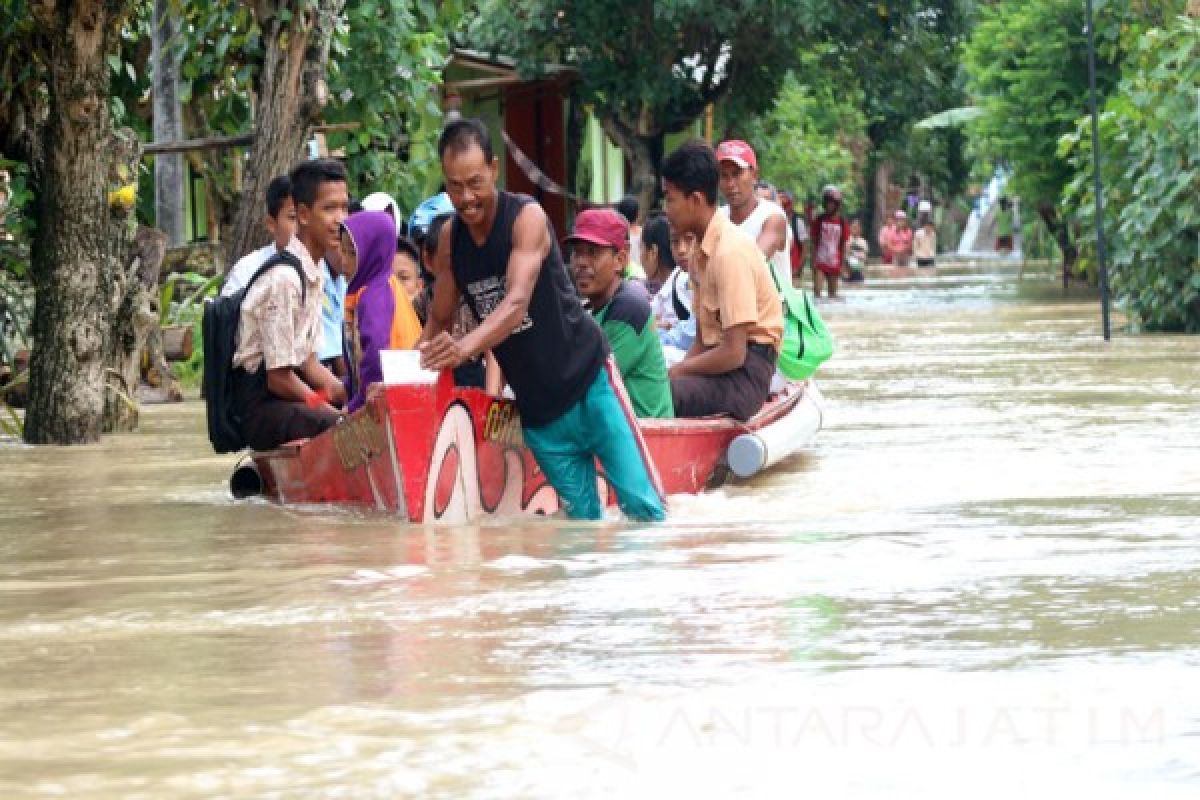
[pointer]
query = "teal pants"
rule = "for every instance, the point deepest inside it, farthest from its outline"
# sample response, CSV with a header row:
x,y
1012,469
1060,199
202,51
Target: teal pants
x,y
600,426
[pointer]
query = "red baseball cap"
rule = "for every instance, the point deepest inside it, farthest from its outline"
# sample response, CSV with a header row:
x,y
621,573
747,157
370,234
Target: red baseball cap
x,y
738,152
601,226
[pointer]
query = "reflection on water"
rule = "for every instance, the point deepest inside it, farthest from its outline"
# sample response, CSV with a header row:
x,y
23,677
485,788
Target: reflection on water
x,y
982,580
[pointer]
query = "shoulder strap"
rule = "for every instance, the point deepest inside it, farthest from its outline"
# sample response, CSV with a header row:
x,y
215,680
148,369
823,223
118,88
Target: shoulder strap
x,y
681,310
280,257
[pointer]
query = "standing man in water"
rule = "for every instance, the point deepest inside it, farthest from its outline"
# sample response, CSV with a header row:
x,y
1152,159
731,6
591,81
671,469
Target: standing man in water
x,y
500,255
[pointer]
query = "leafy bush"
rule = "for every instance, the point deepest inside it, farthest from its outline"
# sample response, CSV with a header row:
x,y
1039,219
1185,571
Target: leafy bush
x,y
1151,172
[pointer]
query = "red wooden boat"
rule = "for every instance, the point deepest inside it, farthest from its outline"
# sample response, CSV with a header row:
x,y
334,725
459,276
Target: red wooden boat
x,y
435,452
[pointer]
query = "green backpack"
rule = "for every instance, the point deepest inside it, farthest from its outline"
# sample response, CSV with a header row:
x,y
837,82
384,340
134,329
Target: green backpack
x,y
807,343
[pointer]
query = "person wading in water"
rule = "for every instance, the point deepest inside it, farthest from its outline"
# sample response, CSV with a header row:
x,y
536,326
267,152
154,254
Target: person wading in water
x,y
500,254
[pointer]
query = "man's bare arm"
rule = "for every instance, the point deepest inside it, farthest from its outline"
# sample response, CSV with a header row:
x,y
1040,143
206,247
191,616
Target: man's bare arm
x,y
530,245
446,294
773,236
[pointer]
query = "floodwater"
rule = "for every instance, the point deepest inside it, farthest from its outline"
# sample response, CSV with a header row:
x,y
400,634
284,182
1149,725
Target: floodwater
x,y
983,580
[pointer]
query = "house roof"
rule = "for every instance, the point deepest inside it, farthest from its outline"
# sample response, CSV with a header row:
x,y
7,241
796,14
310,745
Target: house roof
x,y
501,71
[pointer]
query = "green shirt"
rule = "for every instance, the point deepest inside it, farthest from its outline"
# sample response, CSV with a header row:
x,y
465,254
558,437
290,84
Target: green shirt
x,y
628,324
1004,222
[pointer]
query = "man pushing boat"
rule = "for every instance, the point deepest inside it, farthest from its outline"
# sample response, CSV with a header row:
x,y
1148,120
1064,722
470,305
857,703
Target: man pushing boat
x,y
500,254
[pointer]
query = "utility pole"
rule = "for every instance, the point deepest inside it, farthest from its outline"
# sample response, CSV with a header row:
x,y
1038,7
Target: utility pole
x,y
1101,255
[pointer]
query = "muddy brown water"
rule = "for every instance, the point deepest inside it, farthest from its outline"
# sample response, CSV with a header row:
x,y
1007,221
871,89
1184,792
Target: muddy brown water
x,y
982,580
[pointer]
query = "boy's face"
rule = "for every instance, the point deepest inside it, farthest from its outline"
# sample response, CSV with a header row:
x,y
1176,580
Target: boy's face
x,y
323,220
683,209
349,254
830,205
856,228
408,273
681,247
283,225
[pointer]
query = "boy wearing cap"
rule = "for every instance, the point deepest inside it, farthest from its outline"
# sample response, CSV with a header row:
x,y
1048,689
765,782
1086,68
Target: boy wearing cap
x,y
739,317
499,254
762,220
599,248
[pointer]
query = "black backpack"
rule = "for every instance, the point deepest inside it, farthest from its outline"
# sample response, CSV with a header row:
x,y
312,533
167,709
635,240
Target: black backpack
x,y
219,328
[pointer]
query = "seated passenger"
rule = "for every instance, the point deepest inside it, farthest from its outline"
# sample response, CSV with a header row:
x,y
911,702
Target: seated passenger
x,y
673,304
657,260
599,250
739,316
407,266
281,391
379,315
280,221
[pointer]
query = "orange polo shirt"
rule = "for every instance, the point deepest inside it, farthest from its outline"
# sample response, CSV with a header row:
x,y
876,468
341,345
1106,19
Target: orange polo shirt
x,y
733,287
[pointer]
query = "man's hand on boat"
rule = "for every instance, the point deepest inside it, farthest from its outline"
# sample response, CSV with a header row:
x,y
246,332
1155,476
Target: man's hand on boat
x,y
442,352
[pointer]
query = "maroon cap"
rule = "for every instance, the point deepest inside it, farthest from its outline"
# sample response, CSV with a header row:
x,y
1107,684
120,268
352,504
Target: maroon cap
x,y
601,226
738,152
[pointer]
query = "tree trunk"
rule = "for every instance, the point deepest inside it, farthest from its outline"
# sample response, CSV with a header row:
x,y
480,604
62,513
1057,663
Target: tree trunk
x,y
645,159
134,322
80,242
1061,231
170,170
880,191
576,126
291,92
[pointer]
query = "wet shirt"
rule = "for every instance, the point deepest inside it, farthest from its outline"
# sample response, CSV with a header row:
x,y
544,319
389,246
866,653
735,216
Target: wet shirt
x,y
552,356
628,324
733,287
276,328
832,234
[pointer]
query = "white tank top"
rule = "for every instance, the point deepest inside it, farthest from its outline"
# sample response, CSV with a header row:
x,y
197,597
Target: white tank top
x,y
753,225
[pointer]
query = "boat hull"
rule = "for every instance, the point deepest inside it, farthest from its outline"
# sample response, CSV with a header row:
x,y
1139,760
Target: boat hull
x,y
439,453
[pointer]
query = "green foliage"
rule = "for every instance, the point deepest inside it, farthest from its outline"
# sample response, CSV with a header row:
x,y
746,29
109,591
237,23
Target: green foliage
x,y
1150,168
904,57
18,224
652,67
1026,64
193,289
385,67
814,135
12,424
181,302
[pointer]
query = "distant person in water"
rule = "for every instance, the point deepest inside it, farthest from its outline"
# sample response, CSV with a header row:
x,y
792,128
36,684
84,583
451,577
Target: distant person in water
x,y
499,253
902,240
925,237
1004,227
831,234
856,253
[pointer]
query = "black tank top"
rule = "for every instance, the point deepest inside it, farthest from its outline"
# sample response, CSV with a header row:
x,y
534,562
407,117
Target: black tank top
x,y
553,355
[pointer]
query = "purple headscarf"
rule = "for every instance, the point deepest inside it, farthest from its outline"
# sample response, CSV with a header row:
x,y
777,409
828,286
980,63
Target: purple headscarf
x,y
374,235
